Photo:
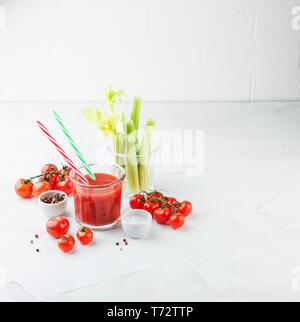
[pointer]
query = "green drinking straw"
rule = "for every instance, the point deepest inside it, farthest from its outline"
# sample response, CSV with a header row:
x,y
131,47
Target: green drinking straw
x,y
74,146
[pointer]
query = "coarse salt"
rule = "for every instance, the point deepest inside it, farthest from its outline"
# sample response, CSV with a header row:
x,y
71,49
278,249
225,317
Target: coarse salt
x,y
135,218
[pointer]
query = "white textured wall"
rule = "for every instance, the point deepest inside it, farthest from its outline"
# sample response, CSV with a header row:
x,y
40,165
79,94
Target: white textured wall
x,y
69,50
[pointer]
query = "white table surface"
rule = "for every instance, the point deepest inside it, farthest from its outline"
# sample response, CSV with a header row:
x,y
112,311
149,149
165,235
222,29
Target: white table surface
x,y
242,242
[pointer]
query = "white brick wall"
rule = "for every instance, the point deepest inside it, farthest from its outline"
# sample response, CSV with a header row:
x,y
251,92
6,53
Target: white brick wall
x,y
165,50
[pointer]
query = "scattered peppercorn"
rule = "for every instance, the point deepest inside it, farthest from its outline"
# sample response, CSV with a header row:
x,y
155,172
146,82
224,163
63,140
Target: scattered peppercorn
x,y
31,242
117,244
121,249
54,199
37,250
124,240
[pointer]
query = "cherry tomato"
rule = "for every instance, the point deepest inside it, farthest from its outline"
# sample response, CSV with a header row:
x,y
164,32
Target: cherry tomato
x,y
137,201
156,194
53,178
85,235
66,170
49,167
162,215
176,221
172,201
23,188
40,187
65,185
151,207
185,208
66,243
57,226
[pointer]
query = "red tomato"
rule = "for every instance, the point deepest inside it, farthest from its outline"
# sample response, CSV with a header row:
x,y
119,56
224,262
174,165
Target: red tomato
x,y
162,215
53,178
172,201
65,185
66,243
185,208
49,167
57,226
40,187
66,170
176,221
156,194
137,201
151,207
23,188
85,235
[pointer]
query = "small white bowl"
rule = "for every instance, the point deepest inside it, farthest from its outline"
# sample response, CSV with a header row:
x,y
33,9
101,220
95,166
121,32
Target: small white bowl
x,y
136,223
53,210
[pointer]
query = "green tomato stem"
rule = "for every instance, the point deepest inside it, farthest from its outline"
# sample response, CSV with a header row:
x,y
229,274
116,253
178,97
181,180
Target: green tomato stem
x,y
43,175
174,211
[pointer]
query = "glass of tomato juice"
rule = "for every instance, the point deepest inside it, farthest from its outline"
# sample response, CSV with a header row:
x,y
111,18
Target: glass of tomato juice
x,y
98,203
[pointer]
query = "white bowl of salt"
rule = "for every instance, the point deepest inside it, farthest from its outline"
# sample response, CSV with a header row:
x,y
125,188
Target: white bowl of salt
x,y
136,223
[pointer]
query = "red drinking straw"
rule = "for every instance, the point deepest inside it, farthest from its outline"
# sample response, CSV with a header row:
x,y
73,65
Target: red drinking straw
x,y
62,152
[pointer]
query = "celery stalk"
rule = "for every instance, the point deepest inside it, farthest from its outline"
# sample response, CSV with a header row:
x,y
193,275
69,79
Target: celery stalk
x,y
121,141
130,127
145,150
135,117
132,175
135,111
134,157
119,148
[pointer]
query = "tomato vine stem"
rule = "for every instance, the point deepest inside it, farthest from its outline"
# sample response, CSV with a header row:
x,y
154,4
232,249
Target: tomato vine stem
x,y
48,174
164,202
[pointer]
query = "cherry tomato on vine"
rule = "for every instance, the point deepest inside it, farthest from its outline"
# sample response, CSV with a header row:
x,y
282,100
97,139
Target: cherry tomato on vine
x,y
57,226
85,235
49,167
137,201
66,243
40,187
172,201
23,188
53,178
156,194
185,208
176,221
66,170
65,185
50,179
151,207
162,215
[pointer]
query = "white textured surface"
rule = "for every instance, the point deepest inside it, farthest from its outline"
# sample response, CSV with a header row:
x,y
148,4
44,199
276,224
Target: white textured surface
x,y
164,50
241,243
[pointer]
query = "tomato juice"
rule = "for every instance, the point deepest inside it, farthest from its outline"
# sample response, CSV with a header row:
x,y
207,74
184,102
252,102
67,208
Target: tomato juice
x,y
98,204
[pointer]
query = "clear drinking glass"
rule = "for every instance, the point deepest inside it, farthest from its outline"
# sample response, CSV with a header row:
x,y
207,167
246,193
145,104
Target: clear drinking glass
x,y
98,204
140,170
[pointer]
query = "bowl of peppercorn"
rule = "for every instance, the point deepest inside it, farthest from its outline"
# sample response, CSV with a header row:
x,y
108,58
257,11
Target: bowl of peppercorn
x,y
53,203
